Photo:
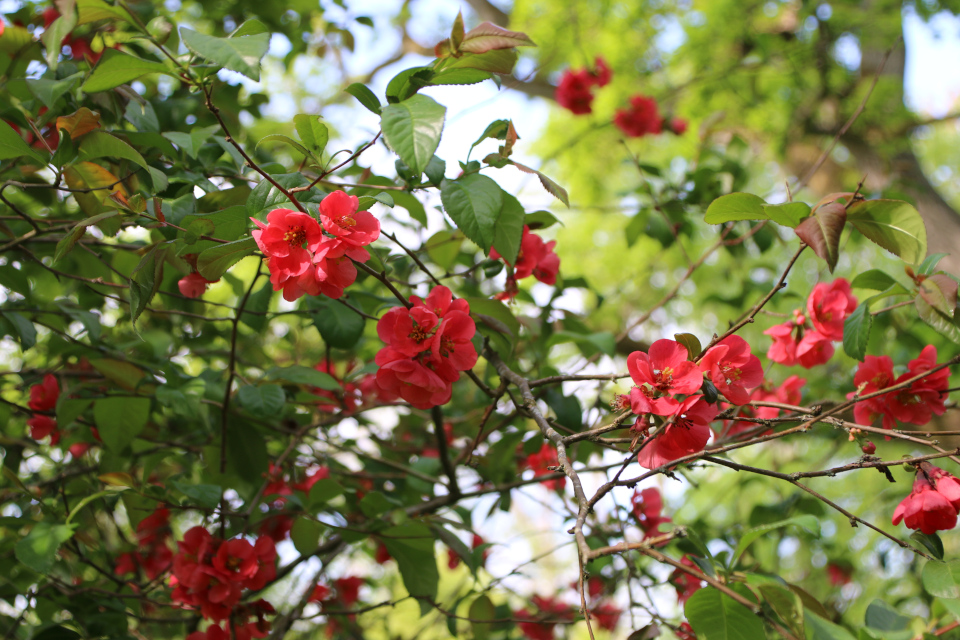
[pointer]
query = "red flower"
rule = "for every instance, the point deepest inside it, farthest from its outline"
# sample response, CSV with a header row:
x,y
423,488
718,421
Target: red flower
x,y
602,74
427,348
348,589
155,528
453,560
685,632
547,608
382,554
339,215
945,484
321,473
193,285
685,584
733,369
43,426
285,234
535,258
640,119
808,348
917,403
664,371
686,431
925,508
829,305
320,593
540,461
574,92
607,616
873,374
43,396
838,575
677,126
647,505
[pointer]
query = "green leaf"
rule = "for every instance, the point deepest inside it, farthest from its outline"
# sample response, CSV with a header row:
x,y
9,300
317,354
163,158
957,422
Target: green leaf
x,y
481,609
882,616
24,328
894,225
323,491
263,401
941,579
930,263
808,522
412,128
818,628
822,230
435,170
735,206
856,332
474,203
54,35
38,549
49,91
203,495
499,61
541,220
69,241
873,279
69,410
299,374
339,325
931,542
508,229
116,68
940,292
312,132
364,96
786,604
279,137
551,187
496,130
443,247
100,144
411,545
94,10
459,76
120,419
789,214
305,535
241,54
944,324
691,342
716,616
13,146
214,262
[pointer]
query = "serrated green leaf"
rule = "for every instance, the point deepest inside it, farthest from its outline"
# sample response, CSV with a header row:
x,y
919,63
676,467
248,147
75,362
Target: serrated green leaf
x,y
116,68
716,616
474,203
788,214
263,401
241,54
856,332
120,419
13,146
313,133
365,97
299,374
215,261
735,206
38,549
413,128
894,225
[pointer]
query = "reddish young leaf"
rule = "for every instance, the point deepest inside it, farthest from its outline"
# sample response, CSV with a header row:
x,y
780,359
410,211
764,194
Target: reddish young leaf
x,y
488,36
940,292
822,231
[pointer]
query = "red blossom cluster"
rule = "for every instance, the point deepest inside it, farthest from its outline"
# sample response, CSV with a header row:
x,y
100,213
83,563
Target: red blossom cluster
x,y
549,609
352,395
575,90
685,584
915,404
643,117
210,574
647,506
839,574
786,393
248,621
427,346
154,555
535,258
796,342
345,592
541,461
43,397
932,505
325,266
277,525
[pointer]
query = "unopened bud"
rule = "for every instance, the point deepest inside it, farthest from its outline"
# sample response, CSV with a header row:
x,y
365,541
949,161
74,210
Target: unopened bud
x,y
869,448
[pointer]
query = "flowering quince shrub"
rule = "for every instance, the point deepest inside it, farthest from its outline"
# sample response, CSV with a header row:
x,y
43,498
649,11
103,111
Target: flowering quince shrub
x,y
328,384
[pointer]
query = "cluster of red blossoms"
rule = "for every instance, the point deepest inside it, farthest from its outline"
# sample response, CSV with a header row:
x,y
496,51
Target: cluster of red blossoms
x,y
914,404
642,117
210,574
153,555
575,91
536,258
541,461
666,373
796,342
647,506
325,266
550,609
427,346
43,397
933,504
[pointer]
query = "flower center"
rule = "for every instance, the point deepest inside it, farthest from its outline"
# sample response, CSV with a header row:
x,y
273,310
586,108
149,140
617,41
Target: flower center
x,y
346,222
296,236
446,346
233,563
418,335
